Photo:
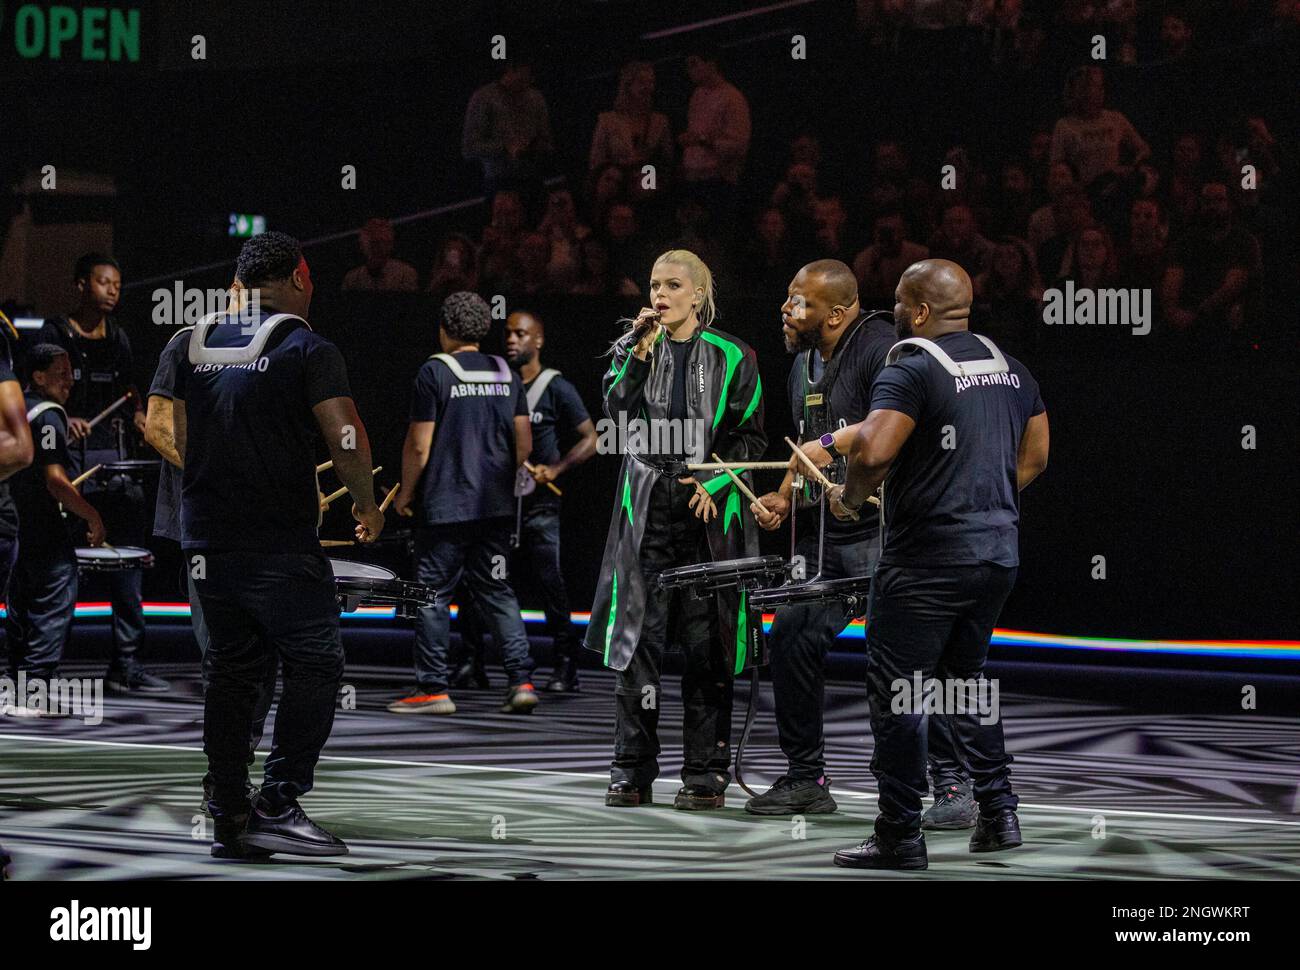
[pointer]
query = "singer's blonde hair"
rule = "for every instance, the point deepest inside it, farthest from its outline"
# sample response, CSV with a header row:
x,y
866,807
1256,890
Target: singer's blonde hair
x,y
701,279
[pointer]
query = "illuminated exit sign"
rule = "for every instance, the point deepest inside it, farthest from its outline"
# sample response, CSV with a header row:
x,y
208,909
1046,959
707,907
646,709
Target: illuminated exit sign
x,y
84,34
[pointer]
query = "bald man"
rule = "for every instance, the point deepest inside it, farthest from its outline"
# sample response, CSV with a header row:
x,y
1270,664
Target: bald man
x,y
955,430
839,349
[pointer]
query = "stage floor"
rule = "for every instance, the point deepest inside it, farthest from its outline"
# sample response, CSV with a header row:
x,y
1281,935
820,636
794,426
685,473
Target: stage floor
x,y
488,795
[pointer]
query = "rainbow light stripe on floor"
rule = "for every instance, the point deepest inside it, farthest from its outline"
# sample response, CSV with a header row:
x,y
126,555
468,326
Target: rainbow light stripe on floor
x,y
1261,649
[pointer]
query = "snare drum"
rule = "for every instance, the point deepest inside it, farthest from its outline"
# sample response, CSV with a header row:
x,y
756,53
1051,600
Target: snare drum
x,y
113,559
361,584
135,469
851,591
705,578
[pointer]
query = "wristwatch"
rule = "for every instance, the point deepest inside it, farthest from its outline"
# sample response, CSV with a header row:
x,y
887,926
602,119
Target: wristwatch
x,y
827,441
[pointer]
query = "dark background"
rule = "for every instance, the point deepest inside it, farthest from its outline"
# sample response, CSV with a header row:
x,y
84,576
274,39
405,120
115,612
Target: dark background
x,y
1147,467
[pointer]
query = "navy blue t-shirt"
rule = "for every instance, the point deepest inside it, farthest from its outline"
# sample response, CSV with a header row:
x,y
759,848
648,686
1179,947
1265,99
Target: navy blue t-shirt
x,y
950,495
250,452
471,469
167,511
40,523
555,423
861,355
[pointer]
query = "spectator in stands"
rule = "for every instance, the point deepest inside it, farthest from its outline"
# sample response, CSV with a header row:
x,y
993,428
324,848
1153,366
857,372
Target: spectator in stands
x,y
1009,294
596,276
380,271
501,237
1010,215
561,227
626,251
534,265
830,224
1045,221
715,143
958,239
1175,37
1142,254
879,266
1095,139
892,186
1183,187
455,268
1090,261
633,134
1210,270
770,260
508,129
1073,215
604,189
796,198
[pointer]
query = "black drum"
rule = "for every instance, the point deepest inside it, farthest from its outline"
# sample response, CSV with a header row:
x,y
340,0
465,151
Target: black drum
x,y
135,469
852,591
113,559
705,578
361,584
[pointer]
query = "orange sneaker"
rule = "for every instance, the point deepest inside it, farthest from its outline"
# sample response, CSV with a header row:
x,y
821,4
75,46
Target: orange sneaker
x,y
521,700
418,702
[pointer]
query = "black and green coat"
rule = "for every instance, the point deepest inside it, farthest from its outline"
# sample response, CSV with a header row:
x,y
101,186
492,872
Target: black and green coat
x,y
724,392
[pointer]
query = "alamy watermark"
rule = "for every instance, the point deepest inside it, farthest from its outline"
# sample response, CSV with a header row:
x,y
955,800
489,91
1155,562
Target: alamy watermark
x,y
952,695
81,697
184,306
671,437
1085,306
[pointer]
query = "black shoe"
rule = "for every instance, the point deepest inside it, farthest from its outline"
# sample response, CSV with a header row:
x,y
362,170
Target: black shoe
x,y
469,674
624,794
228,840
954,808
291,831
564,679
697,798
794,796
875,854
135,680
1002,831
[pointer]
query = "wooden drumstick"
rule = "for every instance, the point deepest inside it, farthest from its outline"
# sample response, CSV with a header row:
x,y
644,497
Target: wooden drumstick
x,y
753,466
737,479
338,493
817,472
110,409
388,499
325,466
84,475
551,485
337,542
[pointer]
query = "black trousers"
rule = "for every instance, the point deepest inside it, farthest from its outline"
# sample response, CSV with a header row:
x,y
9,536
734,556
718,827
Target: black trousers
x,y
932,623
40,600
674,537
260,608
539,553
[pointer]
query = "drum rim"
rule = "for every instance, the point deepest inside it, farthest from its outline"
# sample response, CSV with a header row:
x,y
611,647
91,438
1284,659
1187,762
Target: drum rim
x,y
389,577
756,563
845,585
113,554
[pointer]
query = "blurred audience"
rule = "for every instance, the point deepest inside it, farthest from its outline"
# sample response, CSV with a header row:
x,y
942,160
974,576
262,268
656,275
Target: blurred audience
x,y
508,129
380,271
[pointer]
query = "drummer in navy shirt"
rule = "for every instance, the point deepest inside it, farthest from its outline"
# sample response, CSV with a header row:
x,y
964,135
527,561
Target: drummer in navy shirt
x,y
253,394
955,430
42,589
468,435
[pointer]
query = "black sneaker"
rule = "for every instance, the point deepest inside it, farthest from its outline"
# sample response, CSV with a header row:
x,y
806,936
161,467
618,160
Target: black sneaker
x,y
954,808
135,680
564,679
521,699
251,791
1002,831
875,854
228,839
794,796
624,794
697,798
291,831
